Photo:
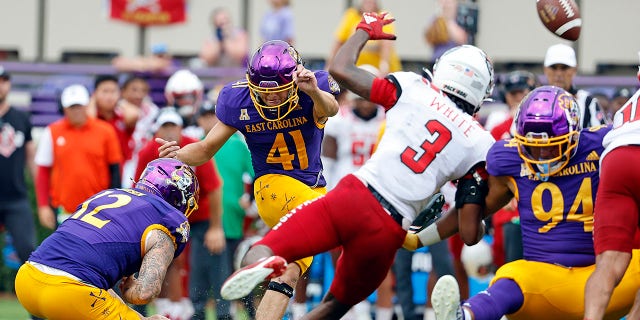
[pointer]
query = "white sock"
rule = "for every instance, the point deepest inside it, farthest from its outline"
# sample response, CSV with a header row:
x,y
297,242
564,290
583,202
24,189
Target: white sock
x,y
298,310
362,310
384,313
466,314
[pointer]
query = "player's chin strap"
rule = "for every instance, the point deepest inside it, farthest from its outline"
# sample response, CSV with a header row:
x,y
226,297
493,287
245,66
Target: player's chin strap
x,y
281,287
545,169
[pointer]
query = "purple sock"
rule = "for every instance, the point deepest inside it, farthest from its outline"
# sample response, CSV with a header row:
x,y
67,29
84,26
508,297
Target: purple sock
x,y
503,297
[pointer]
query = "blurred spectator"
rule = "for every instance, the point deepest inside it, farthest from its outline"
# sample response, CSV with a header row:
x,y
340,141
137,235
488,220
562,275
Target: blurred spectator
x,y
229,44
444,32
160,60
560,67
604,100
277,22
77,156
378,53
105,105
17,151
515,86
184,91
234,164
619,98
207,236
135,91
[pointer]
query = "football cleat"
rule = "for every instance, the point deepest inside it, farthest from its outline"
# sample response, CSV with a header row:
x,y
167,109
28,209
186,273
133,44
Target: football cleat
x,y
445,299
243,281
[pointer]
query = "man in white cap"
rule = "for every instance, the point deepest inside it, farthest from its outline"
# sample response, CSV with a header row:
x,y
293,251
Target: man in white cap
x,y
77,156
560,67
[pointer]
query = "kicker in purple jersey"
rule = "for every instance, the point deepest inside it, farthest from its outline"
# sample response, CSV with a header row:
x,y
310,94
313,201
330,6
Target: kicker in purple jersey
x,y
101,242
556,215
290,146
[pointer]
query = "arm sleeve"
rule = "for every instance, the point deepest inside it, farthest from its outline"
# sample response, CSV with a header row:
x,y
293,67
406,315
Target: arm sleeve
x,y
384,93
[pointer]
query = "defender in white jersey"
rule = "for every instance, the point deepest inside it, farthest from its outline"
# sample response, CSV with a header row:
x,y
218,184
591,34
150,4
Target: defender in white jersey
x,y
430,138
616,213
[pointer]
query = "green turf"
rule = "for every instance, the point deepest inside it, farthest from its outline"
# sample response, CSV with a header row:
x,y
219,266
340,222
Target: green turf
x,y
10,309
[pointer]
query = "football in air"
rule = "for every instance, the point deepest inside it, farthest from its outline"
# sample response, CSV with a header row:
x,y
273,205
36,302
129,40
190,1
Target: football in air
x,y
562,17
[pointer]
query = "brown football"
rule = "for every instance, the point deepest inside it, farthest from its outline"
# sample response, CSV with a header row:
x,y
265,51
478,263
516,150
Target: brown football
x,y
562,17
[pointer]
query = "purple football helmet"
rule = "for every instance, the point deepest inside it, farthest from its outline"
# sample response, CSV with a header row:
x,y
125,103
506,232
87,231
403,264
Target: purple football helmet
x,y
547,129
173,181
271,70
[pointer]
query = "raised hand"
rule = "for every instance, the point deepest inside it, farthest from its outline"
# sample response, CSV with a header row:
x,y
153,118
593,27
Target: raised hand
x,y
372,24
167,149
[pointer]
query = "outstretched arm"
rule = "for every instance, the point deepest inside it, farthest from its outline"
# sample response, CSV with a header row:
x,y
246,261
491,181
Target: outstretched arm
x,y
197,153
343,66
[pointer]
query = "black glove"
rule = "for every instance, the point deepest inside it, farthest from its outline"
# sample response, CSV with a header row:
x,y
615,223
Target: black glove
x,y
429,214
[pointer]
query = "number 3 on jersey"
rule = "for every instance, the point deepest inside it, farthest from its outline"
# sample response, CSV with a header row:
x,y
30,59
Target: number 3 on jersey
x,y
440,136
279,152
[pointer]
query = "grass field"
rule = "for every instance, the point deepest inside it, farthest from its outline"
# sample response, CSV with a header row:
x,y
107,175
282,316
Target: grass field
x,y
10,309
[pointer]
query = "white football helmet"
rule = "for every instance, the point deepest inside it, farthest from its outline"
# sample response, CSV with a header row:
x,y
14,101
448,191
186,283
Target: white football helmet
x,y
475,257
465,72
184,83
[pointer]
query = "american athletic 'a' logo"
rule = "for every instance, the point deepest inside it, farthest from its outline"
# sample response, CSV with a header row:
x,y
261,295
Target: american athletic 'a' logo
x,y
243,114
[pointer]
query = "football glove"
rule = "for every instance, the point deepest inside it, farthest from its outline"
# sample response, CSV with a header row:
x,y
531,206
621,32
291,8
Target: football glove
x,y
429,214
372,23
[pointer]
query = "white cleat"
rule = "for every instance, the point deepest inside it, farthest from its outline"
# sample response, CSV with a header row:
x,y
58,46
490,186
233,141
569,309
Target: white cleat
x,y
445,299
243,281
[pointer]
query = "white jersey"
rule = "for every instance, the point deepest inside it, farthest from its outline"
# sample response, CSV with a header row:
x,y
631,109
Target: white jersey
x,y
428,141
626,127
356,138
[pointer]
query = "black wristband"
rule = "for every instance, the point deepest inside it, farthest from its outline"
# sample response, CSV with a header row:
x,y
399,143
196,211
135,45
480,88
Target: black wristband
x,y
281,287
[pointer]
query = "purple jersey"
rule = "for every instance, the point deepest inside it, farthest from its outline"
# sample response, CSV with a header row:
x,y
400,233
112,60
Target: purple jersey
x,y
290,146
103,240
556,215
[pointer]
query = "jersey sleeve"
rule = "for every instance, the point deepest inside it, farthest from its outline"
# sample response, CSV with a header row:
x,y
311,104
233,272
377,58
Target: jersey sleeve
x,y
44,152
222,105
503,159
326,82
